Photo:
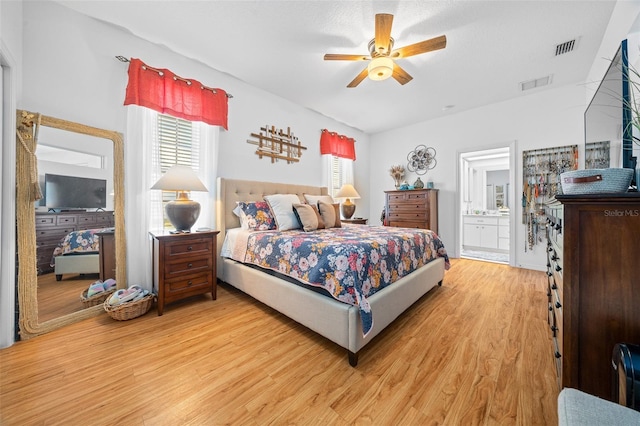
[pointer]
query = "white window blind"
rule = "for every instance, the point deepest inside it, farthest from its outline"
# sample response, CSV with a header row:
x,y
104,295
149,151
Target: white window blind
x,y
178,143
340,172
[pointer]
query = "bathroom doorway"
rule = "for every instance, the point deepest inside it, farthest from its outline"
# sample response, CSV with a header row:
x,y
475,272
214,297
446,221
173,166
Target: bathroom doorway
x,y
487,204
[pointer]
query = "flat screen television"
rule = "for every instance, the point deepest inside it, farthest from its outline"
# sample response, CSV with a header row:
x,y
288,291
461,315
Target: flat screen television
x,y
73,192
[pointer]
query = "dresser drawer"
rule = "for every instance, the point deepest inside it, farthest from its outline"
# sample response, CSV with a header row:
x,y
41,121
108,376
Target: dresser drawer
x,y
104,220
86,221
45,221
406,207
409,224
188,247
187,266
66,220
418,215
55,234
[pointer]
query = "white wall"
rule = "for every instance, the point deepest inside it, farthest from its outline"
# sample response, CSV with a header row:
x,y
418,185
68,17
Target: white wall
x,y
547,118
10,60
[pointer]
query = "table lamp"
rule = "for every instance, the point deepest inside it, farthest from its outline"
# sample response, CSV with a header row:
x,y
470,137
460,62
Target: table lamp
x,y
182,212
347,208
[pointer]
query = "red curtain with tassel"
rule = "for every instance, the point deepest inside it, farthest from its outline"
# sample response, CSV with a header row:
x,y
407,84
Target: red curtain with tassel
x,y
337,145
163,91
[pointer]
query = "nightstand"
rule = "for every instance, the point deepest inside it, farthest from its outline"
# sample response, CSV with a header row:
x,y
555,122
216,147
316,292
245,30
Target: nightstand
x,y
355,221
184,265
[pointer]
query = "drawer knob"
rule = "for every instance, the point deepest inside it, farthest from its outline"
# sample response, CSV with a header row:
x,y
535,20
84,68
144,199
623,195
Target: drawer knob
x,y
557,354
189,248
189,284
558,305
189,265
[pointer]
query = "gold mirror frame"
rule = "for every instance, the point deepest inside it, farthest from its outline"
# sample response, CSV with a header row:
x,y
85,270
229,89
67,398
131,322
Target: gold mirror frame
x,y
26,226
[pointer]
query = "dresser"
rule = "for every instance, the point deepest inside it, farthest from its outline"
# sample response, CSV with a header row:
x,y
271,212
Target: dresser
x,y
416,208
184,265
593,285
52,227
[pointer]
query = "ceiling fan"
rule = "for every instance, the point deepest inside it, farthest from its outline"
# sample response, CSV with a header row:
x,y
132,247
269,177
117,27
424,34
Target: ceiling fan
x,y
381,58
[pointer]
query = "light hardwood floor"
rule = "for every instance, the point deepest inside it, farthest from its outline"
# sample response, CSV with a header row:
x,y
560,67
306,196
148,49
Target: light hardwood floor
x,y
475,351
58,298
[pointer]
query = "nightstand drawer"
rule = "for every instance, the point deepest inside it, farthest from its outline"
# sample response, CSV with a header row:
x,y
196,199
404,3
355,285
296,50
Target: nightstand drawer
x,y
186,284
189,247
187,266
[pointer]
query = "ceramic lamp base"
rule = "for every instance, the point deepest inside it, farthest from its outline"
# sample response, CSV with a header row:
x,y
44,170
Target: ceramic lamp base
x,y
182,213
347,209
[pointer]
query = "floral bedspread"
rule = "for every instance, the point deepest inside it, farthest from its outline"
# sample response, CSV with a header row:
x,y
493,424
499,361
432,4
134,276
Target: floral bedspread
x,y
351,263
84,241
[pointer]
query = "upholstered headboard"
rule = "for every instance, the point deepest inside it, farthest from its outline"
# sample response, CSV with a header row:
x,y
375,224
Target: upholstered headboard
x,y
230,191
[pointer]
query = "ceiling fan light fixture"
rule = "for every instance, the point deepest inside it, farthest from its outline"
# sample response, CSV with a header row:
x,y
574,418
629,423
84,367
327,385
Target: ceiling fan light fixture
x,y
380,68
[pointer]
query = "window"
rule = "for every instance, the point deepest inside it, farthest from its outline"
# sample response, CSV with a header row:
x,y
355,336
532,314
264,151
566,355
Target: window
x,y
178,143
340,172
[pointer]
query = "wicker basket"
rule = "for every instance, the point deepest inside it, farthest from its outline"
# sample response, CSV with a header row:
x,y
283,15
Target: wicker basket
x,y
596,181
96,299
129,310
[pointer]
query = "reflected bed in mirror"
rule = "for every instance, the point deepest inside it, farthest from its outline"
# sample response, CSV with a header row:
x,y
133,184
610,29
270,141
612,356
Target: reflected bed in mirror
x,y
61,303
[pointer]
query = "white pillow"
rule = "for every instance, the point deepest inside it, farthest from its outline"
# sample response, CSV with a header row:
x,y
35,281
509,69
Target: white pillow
x,y
282,208
313,199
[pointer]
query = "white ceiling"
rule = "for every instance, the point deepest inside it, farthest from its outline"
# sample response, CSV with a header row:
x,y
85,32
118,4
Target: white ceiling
x,y
278,46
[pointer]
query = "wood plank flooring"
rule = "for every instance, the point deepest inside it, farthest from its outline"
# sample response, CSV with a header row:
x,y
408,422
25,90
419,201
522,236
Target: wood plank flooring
x,y
475,351
58,298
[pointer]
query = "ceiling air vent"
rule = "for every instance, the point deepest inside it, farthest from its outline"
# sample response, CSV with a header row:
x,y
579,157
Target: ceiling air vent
x,y
538,82
566,47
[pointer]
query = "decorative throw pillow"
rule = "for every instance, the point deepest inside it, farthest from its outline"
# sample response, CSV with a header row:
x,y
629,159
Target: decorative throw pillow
x,y
308,216
330,214
314,199
255,216
282,210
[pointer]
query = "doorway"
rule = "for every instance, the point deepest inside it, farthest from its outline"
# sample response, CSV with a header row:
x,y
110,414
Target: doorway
x,y
487,205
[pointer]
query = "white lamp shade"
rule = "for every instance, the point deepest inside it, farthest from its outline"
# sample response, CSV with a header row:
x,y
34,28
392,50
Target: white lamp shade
x,y
180,178
380,68
347,191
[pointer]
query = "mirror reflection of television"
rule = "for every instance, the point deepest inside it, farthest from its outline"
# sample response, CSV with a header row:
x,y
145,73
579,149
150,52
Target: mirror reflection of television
x,y
607,119
73,192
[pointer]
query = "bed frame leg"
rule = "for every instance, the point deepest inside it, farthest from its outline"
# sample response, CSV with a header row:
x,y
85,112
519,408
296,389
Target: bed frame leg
x,y
353,359
59,277
440,283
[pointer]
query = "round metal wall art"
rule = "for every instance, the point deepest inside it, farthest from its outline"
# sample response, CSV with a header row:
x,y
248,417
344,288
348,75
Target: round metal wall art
x,y
421,159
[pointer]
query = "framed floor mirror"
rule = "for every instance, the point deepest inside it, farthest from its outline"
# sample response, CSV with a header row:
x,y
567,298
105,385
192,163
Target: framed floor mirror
x,y
87,147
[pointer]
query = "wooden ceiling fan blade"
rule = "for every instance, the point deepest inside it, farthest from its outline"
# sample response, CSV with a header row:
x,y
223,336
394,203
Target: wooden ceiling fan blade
x,y
341,57
383,32
421,47
359,78
400,75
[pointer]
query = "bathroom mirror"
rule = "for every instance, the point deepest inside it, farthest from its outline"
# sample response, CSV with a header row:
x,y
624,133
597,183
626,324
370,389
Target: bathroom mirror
x,y
29,126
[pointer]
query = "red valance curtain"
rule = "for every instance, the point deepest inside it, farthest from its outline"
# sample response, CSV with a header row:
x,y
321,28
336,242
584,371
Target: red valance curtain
x,y
165,92
337,145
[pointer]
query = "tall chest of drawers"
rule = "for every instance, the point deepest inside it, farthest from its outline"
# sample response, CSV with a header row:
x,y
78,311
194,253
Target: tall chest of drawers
x,y
184,265
416,208
593,285
52,227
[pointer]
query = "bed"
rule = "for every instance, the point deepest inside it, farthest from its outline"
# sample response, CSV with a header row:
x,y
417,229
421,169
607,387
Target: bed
x,y
337,321
78,253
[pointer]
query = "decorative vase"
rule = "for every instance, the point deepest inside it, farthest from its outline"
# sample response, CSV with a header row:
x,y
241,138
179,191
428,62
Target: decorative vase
x,y
418,184
397,182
